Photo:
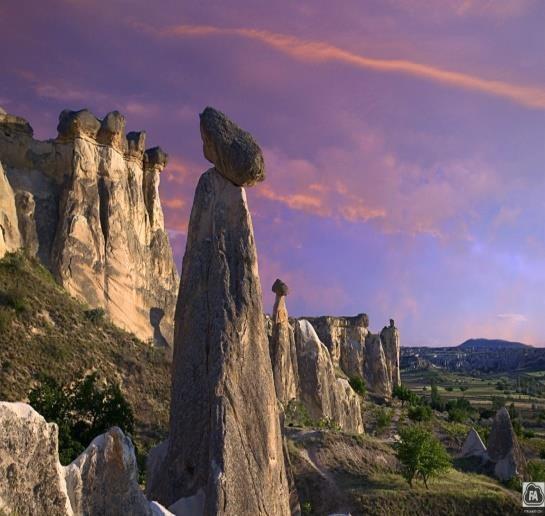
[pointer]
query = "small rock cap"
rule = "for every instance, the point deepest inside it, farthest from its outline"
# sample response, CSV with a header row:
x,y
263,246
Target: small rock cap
x,y
233,151
280,288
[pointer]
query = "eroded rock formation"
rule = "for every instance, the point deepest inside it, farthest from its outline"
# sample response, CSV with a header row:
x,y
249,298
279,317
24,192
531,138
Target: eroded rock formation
x,y
282,347
87,205
224,451
323,394
473,445
358,352
503,448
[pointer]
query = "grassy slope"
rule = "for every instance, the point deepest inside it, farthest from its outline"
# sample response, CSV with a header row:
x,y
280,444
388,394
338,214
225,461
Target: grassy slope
x,y
341,473
44,330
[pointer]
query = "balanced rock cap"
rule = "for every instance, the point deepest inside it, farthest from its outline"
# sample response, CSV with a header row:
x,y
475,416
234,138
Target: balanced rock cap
x,y
75,123
233,151
280,288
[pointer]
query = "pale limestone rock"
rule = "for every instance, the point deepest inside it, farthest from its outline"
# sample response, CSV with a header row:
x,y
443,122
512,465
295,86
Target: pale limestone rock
x,y
282,348
473,445
323,394
375,372
224,450
503,448
31,477
389,337
104,478
10,238
97,220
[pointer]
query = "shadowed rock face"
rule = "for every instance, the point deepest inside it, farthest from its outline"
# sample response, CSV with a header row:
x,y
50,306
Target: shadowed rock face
x,y
88,206
503,448
375,371
233,151
282,348
224,451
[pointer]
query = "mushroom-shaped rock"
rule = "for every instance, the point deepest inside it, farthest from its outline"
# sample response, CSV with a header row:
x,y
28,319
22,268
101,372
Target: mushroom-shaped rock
x,y
473,445
155,158
136,143
504,449
233,151
112,130
77,123
280,288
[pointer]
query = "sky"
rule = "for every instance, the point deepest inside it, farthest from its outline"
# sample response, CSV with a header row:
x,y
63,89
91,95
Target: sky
x,y
404,140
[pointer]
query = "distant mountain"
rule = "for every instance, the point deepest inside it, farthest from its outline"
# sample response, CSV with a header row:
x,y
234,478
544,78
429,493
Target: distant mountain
x,y
491,344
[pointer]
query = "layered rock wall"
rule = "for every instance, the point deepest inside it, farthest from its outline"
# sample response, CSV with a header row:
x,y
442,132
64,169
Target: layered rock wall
x,y
88,207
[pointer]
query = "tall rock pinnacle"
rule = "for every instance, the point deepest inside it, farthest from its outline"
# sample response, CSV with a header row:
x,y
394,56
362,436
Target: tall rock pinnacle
x,y
224,451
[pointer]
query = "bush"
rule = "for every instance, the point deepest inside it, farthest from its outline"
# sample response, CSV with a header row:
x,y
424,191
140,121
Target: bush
x,y
459,410
449,388
95,315
82,411
420,412
420,454
296,414
14,299
383,419
404,394
328,424
436,402
358,385
536,471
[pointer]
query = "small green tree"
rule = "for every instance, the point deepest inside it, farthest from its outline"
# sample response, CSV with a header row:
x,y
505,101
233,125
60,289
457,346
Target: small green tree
x,y
419,412
82,411
420,454
404,394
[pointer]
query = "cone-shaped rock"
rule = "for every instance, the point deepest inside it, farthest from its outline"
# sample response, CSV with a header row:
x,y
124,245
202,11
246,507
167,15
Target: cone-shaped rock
x,y
504,449
282,347
224,451
473,445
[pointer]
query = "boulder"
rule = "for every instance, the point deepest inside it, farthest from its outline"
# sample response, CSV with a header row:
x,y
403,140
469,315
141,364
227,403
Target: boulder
x,y
112,131
504,450
104,478
324,395
282,348
389,337
224,453
31,477
473,445
375,371
73,124
233,151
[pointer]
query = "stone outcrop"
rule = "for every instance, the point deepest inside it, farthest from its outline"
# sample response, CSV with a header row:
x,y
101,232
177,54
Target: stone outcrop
x,y
473,445
357,352
105,476
31,477
88,206
224,450
103,480
503,448
324,395
282,347
233,151
389,337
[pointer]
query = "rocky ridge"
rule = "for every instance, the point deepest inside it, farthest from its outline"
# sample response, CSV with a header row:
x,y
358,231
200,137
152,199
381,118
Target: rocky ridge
x,y
86,203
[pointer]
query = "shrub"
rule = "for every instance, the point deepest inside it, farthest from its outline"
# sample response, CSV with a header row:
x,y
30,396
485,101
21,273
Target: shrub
x,y
82,411
358,385
420,412
383,419
450,388
536,471
95,315
420,454
404,394
459,410
14,299
306,508
296,414
436,402
328,424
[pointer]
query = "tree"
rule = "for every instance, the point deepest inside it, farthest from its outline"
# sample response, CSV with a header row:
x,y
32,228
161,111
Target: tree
x,y
82,411
404,394
419,412
436,402
420,454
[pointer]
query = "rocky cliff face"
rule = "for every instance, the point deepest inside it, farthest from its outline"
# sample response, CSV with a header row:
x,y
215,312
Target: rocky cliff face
x,y
224,451
87,205
357,352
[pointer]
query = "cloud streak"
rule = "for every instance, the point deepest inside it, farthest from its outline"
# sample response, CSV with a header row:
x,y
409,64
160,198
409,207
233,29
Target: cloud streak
x,y
318,51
